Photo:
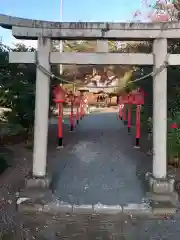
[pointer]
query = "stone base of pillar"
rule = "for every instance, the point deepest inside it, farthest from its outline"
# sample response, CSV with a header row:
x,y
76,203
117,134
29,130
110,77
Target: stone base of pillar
x,y
38,182
165,185
161,191
36,187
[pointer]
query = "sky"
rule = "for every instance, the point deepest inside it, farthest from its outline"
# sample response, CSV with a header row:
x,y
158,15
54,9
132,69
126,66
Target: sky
x,y
73,10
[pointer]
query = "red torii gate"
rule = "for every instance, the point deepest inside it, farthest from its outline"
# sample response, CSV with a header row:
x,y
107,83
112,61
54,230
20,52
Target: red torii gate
x,y
135,97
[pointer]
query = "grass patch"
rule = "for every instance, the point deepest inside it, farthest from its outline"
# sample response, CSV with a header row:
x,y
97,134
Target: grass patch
x,y
8,236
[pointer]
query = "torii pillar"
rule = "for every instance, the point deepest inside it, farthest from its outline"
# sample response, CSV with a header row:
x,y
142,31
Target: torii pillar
x,y
39,178
161,184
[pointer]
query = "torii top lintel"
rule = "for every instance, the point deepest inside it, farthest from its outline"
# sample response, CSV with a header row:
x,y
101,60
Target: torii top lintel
x,y
23,28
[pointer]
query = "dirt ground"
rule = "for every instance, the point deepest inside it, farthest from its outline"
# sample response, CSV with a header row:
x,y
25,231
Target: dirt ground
x,y
95,159
99,165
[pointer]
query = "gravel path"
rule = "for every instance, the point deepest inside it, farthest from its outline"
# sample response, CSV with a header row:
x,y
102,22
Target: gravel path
x,y
99,166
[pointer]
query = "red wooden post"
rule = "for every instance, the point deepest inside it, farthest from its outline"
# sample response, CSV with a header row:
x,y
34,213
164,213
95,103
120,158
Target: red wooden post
x,y
77,115
129,117
124,113
77,105
71,116
129,112
120,108
60,125
125,102
59,98
138,99
138,124
81,108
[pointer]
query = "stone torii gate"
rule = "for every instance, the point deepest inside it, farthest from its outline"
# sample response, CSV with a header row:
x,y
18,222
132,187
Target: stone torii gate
x,y
45,32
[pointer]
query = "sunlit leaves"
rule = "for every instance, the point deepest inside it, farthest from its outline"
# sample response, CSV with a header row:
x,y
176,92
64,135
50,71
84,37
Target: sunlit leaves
x,y
161,11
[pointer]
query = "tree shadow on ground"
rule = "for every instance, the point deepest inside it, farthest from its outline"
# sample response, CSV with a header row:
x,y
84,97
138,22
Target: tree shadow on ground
x,y
6,157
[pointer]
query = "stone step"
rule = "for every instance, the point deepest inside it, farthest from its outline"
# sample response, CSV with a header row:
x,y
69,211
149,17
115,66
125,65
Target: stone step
x,y
28,207
44,182
34,193
163,208
163,197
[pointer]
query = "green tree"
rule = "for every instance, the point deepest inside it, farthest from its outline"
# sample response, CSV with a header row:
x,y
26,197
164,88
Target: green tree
x,y
17,89
165,11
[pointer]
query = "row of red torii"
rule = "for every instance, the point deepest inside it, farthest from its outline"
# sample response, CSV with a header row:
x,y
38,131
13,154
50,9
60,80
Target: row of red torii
x,y
79,106
45,32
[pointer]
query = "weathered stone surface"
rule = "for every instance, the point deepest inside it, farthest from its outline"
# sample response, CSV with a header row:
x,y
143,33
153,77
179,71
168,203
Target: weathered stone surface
x,y
137,209
161,185
54,208
23,22
107,209
85,30
164,208
30,208
33,182
83,209
163,197
85,58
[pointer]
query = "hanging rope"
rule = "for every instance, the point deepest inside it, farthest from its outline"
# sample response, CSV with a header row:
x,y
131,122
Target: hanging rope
x,y
153,73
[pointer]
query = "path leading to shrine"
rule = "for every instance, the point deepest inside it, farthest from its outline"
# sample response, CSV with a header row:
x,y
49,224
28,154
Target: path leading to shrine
x,y
101,164
97,165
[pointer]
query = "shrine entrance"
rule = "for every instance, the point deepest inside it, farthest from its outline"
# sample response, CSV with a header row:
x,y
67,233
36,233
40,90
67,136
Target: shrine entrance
x,y
44,32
